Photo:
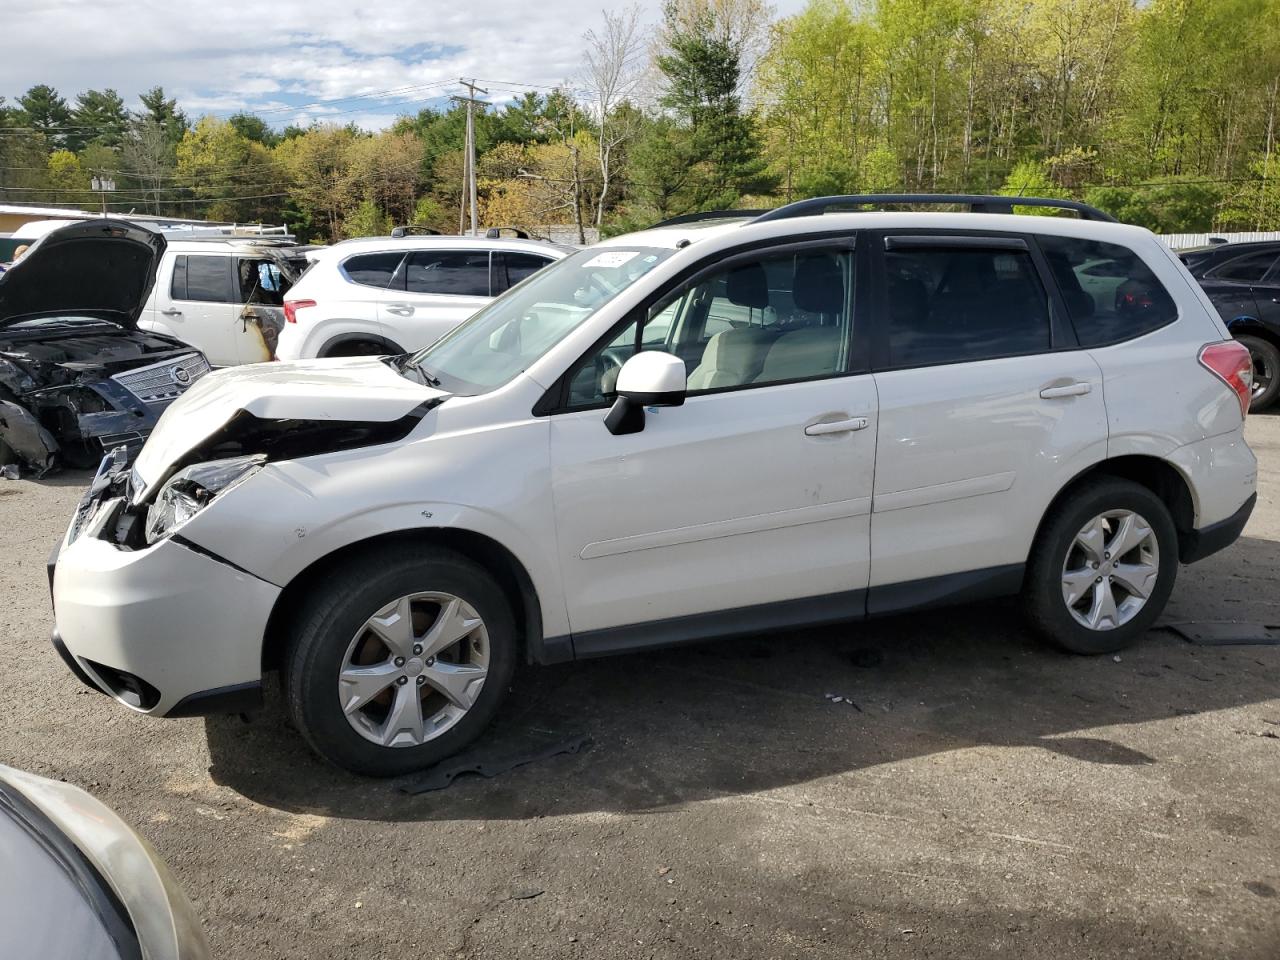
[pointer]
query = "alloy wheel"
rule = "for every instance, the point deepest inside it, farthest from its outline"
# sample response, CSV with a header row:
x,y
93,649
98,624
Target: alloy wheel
x,y
1110,569
414,669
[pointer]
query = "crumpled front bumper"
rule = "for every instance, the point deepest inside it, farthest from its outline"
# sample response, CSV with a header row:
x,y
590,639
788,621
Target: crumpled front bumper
x,y
166,630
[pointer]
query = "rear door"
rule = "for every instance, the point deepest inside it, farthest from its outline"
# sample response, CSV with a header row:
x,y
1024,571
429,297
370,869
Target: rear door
x,y
261,284
987,407
431,293
1231,286
199,304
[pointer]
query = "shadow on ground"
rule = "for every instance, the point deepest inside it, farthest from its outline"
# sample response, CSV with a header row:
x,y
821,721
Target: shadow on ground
x,y
748,715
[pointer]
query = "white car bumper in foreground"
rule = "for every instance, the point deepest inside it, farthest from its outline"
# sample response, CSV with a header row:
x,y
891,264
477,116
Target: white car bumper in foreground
x,y
186,625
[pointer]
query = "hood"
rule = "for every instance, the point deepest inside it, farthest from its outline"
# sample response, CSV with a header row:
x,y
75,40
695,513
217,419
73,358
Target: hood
x,y
99,268
345,391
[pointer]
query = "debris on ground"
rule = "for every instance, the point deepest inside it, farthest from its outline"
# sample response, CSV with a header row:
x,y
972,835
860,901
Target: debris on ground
x,y
527,893
9,471
1222,633
836,698
493,758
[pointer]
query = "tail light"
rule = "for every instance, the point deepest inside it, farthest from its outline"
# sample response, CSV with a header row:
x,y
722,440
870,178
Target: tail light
x,y
291,308
1229,362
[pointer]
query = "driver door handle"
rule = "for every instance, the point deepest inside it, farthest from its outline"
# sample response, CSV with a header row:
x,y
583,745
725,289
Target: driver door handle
x,y
838,426
171,312
400,309
1078,389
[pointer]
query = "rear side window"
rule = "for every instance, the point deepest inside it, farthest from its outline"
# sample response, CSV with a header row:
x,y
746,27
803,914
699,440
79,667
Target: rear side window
x,y
1248,269
372,269
454,273
261,281
1111,295
511,268
961,304
204,279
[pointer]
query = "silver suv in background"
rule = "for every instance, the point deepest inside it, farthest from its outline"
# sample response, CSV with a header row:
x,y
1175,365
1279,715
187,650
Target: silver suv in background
x,y
391,295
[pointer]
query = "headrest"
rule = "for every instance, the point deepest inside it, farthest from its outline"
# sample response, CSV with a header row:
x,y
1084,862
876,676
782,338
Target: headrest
x,y
747,286
818,284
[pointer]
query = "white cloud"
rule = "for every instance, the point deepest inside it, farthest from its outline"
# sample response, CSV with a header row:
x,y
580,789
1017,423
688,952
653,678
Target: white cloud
x,y
221,57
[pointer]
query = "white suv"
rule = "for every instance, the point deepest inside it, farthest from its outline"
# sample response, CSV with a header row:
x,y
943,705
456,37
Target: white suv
x,y
391,295
690,432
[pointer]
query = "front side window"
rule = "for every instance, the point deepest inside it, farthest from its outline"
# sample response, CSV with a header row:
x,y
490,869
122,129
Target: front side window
x,y
1110,293
962,304
204,279
780,318
518,328
372,269
459,274
1248,269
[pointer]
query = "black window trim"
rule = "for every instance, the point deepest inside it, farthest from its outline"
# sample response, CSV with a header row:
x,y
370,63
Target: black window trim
x,y
1212,272
229,281
1061,300
469,296
1062,335
555,400
342,267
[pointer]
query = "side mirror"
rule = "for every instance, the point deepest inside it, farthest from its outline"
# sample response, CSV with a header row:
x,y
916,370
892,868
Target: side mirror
x,y
649,379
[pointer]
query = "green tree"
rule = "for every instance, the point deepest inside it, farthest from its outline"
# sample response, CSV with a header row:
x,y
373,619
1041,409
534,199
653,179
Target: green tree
x,y
235,175
254,128
366,220
98,117
45,112
163,110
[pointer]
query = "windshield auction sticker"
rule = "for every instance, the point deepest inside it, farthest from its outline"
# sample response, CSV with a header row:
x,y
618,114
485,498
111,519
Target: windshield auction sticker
x,y
612,258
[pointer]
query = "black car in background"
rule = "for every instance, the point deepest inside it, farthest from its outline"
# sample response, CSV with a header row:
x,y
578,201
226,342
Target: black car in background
x,y
1243,281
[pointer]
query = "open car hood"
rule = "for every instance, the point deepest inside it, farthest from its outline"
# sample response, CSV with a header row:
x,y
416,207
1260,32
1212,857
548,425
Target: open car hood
x,y
308,397
99,268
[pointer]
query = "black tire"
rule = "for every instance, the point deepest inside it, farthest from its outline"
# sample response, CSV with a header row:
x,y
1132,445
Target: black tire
x,y
1045,606
339,604
1266,367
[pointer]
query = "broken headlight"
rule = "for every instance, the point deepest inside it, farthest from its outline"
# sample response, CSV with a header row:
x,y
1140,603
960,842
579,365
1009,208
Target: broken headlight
x,y
191,490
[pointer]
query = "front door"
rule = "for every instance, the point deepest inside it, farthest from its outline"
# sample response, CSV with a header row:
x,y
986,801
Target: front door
x,y
987,407
199,306
746,507
431,293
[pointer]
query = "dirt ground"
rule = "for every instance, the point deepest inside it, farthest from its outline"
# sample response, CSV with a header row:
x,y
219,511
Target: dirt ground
x,y
985,797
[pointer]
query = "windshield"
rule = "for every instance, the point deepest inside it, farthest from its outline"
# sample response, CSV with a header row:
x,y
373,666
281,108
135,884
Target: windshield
x,y
519,327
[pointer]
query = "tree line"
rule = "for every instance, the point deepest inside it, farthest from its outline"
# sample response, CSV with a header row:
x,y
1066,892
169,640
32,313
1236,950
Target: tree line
x,y
1163,113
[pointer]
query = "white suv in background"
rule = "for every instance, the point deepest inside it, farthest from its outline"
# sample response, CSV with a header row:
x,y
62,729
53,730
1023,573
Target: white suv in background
x,y
392,295
695,431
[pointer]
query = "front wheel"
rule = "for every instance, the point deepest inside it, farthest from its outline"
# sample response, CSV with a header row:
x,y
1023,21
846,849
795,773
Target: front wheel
x,y
399,659
1103,567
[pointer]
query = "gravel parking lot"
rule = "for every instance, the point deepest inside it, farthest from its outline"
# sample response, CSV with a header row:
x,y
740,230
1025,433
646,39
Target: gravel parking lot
x,y
981,796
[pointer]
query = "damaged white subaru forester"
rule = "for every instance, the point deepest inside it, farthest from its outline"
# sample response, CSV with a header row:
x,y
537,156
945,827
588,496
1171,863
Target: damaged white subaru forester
x,y
709,428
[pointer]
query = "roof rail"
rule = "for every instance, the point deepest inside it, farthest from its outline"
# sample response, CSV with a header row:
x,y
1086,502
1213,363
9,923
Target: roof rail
x,y
415,231
709,215
976,203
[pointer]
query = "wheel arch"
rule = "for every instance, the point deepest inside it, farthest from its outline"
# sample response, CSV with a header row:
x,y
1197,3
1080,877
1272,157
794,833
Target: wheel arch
x,y
487,552
338,340
1159,476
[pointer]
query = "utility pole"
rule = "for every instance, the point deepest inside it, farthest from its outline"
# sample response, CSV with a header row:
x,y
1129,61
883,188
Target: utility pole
x,y
469,155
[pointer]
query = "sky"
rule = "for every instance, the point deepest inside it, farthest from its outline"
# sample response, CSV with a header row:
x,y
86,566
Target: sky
x,y
299,61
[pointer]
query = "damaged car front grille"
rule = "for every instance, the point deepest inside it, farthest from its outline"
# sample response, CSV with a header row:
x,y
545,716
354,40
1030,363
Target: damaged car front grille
x,y
162,383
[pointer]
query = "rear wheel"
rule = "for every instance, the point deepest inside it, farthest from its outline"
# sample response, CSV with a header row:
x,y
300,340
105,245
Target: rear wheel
x,y
1266,371
399,661
1102,568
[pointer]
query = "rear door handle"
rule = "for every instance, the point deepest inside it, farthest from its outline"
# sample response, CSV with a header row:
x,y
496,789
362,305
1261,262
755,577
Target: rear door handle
x,y
838,426
1069,390
400,309
171,312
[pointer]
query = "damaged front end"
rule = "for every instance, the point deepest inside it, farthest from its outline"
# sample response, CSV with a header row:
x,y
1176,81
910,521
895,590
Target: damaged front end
x,y
125,510
69,396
